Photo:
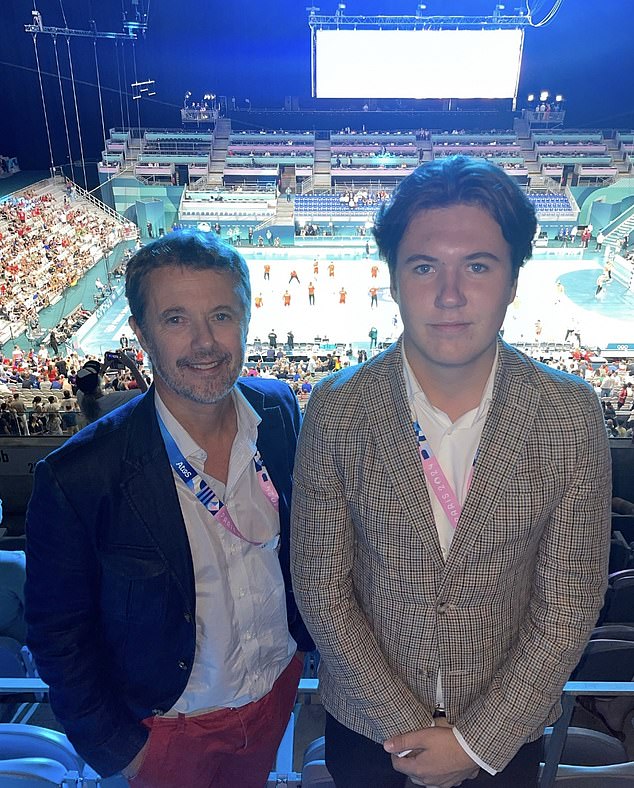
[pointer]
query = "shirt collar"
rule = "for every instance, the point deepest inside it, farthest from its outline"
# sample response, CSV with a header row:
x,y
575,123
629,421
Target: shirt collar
x,y
416,395
247,417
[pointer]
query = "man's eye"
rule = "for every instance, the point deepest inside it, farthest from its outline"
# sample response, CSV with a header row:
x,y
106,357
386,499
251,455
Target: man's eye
x,y
478,268
174,320
424,268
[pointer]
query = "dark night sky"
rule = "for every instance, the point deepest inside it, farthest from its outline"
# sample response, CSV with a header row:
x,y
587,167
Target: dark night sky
x,y
259,50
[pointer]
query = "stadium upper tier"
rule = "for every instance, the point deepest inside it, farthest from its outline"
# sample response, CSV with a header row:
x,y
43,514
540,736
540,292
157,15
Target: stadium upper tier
x,y
311,161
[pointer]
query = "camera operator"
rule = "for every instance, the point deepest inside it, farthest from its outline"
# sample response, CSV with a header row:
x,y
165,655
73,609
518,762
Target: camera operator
x,y
94,399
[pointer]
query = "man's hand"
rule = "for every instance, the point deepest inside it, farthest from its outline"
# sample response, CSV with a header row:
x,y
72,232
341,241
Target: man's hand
x,y
134,767
437,759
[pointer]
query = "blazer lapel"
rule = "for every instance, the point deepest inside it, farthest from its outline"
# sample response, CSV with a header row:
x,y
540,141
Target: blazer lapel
x,y
389,421
508,424
272,442
151,493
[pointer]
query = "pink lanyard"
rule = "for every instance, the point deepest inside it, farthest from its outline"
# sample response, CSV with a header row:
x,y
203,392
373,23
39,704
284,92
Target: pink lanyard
x,y
437,480
208,498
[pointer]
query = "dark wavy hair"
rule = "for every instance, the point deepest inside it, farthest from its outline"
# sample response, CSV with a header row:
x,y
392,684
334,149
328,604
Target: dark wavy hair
x,y
458,180
186,249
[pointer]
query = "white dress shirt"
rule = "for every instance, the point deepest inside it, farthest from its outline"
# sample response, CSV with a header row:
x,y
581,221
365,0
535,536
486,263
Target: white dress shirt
x,y
454,445
242,638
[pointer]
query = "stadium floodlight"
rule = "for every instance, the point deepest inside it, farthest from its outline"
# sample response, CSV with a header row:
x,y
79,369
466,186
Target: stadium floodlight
x,y
544,95
559,98
530,97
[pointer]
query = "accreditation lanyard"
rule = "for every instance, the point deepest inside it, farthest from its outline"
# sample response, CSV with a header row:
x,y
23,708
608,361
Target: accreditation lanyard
x,y
208,498
437,480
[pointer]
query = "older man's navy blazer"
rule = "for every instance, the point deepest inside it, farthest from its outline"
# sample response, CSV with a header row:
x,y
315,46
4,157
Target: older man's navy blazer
x,y
110,595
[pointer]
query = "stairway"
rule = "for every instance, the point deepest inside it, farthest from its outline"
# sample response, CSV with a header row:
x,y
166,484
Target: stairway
x,y
219,148
322,171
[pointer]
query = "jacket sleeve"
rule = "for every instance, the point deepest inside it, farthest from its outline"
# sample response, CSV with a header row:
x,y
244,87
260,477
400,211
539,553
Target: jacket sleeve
x,y
62,611
296,626
567,593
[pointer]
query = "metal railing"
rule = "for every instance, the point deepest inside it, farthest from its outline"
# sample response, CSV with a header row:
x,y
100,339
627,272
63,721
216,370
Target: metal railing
x,y
310,686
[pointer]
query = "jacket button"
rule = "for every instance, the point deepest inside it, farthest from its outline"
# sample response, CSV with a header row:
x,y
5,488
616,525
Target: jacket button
x,y
188,618
182,665
157,712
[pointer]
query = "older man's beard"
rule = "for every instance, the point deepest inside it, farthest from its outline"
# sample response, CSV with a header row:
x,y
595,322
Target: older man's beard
x,y
184,381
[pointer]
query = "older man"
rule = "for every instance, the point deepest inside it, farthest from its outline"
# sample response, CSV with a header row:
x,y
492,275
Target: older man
x,y
450,536
158,595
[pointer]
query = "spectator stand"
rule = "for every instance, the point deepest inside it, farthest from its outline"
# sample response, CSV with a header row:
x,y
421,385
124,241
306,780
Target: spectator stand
x,y
583,156
262,157
359,157
502,148
625,148
347,213
51,235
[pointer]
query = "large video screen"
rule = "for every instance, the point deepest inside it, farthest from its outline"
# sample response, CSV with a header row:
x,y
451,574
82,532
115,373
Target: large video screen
x,y
417,64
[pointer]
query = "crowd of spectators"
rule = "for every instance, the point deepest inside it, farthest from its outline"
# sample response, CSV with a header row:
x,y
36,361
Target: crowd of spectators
x,y
38,393
47,242
613,384
362,198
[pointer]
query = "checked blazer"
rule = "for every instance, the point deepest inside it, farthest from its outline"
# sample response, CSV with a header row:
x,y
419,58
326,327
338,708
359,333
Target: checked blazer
x,y
507,616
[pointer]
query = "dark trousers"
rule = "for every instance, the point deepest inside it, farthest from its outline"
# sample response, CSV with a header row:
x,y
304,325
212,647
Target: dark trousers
x,y
357,762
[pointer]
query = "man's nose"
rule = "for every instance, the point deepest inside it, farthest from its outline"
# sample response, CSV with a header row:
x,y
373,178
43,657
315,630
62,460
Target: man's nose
x,y
204,334
450,290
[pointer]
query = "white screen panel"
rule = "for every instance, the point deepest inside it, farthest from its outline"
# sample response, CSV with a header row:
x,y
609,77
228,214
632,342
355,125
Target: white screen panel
x,y
417,64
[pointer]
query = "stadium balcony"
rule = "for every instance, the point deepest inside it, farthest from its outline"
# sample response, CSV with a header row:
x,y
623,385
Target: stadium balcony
x,y
226,207
374,159
471,138
272,137
258,150
559,136
478,149
379,138
267,160
374,150
571,148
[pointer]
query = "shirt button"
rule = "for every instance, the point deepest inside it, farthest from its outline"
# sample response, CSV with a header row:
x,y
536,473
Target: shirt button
x,y
444,607
241,593
182,665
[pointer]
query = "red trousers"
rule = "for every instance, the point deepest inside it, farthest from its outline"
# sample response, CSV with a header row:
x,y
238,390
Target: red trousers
x,y
228,748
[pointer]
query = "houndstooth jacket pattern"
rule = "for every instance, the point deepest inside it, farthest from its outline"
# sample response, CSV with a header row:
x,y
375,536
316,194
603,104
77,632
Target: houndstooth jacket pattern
x,y
507,616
